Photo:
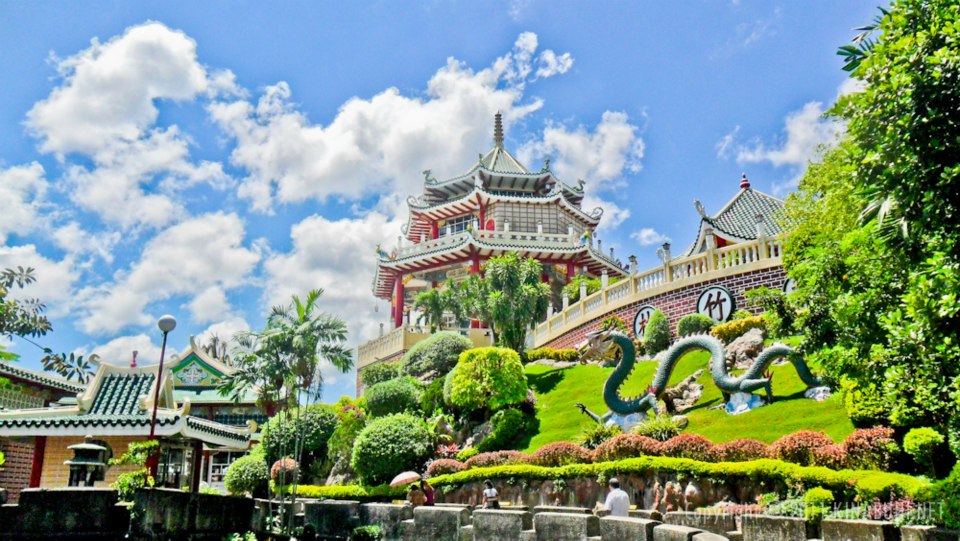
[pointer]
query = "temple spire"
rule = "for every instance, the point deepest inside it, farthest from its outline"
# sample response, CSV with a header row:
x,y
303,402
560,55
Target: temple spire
x,y
498,130
744,181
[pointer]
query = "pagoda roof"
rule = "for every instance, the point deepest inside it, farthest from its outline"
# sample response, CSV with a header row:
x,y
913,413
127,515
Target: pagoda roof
x,y
42,379
119,401
737,220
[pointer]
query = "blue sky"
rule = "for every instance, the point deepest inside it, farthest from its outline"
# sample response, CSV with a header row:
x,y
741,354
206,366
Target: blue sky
x,y
210,159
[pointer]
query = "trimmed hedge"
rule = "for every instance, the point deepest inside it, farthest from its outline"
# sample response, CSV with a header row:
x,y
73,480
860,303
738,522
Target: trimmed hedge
x,y
490,378
731,330
390,445
437,354
397,395
559,355
507,425
694,324
656,336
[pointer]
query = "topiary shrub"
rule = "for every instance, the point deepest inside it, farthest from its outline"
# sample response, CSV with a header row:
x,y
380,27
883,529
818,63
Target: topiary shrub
x,y
499,458
740,314
507,425
595,434
818,501
694,324
380,372
799,447
656,336
443,466
560,453
921,444
870,448
559,355
660,428
247,475
390,445
692,446
627,446
741,450
489,378
467,454
731,330
831,456
313,424
395,396
285,471
436,355
614,323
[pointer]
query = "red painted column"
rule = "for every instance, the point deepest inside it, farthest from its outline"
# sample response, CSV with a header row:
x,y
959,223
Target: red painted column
x,y
434,230
398,310
483,215
39,449
571,268
475,264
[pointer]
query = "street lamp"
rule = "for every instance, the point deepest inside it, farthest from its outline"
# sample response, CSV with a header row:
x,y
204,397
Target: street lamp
x,y
166,324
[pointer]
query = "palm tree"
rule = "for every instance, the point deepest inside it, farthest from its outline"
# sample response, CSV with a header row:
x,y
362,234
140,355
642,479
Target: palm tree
x,y
517,297
431,305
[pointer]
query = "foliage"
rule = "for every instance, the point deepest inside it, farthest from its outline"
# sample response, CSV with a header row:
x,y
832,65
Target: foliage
x,y
390,445
366,533
731,330
594,435
799,447
507,425
395,396
864,402
498,458
616,324
921,443
432,305
656,335
380,372
489,378
437,354
68,365
627,446
20,317
560,454
247,475
467,454
351,421
791,507
518,298
817,500
128,483
741,450
248,536
890,510
559,355
661,428
285,471
740,314
946,493
694,324
870,448
572,289
778,314
692,446
443,466
307,430
432,401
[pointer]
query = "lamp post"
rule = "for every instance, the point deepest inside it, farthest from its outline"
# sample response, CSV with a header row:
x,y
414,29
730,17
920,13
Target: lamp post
x,y
166,324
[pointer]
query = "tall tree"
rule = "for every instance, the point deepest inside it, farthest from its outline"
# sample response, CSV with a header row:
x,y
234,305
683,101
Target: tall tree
x,y
517,298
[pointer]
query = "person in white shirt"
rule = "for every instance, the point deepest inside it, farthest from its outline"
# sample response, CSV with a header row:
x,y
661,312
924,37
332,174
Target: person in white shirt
x,y
617,502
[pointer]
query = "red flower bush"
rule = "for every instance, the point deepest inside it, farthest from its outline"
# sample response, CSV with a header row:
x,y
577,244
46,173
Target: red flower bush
x,y
285,470
443,466
831,456
799,447
447,450
741,450
627,446
560,453
497,458
692,446
870,448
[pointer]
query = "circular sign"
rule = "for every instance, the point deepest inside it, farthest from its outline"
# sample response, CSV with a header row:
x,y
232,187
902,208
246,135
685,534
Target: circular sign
x,y
640,320
789,286
716,302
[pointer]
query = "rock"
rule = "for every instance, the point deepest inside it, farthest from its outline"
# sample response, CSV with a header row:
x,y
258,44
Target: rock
x,y
681,421
683,395
743,402
341,473
818,393
742,351
478,434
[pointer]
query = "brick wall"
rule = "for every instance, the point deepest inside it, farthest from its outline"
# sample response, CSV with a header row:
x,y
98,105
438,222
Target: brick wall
x,y
680,302
57,474
18,463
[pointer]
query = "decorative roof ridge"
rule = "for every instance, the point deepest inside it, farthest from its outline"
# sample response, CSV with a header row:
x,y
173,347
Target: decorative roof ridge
x,y
51,380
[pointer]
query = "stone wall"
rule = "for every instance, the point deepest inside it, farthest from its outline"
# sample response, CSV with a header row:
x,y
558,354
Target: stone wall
x,y
17,466
679,302
57,474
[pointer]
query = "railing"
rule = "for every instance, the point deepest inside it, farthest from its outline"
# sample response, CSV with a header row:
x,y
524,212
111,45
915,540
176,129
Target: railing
x,y
680,272
399,340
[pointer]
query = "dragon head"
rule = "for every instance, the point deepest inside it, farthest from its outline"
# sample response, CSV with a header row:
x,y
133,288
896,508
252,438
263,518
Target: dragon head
x,y
597,343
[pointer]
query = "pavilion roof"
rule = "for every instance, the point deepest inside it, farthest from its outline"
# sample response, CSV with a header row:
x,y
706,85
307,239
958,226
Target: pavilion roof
x,y
737,220
42,379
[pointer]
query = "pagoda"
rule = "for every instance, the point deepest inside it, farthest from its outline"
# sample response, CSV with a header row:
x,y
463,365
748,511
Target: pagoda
x,y
498,206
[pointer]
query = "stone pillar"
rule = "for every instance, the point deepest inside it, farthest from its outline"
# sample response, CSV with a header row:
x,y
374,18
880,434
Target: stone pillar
x,y
583,288
633,264
762,252
506,226
571,234
711,248
664,253
566,300
398,308
539,228
604,279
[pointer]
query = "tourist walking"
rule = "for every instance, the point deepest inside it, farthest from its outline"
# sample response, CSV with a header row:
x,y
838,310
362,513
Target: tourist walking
x,y
617,502
491,498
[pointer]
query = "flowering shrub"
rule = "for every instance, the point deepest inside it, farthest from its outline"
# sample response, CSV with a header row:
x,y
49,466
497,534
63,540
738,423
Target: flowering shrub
x,y
284,471
831,456
626,446
870,448
448,450
693,446
560,453
741,450
891,509
443,466
731,330
498,458
799,447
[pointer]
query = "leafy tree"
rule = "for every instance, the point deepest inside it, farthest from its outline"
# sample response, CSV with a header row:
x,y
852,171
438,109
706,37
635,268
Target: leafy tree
x,y
380,372
431,306
20,317
517,299
572,289
489,378
70,366
437,354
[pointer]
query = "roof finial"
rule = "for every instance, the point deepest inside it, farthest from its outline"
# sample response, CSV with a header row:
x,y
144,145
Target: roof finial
x,y
498,129
744,181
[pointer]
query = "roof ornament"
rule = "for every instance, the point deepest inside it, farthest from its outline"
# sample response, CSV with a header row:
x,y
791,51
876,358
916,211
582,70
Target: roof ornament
x,y
699,206
546,166
428,177
498,129
744,181
580,184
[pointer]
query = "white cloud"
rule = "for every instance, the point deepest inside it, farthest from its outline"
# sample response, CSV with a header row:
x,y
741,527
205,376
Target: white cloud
x,y
851,86
74,240
224,330
119,351
21,192
54,279
375,145
185,259
725,144
209,305
806,131
648,236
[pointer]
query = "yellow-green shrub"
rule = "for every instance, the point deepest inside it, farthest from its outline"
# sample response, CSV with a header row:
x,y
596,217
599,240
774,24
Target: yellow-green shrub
x,y
560,355
729,331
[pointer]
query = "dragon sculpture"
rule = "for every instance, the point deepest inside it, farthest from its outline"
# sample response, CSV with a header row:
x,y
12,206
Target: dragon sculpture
x,y
753,378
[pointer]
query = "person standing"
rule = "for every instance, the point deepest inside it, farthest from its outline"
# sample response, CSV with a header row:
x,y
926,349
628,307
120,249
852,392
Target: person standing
x,y
427,491
617,502
491,498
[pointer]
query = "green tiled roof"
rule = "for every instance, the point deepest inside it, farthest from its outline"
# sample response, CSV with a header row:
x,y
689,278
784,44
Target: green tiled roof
x,y
740,218
209,395
47,380
87,420
119,394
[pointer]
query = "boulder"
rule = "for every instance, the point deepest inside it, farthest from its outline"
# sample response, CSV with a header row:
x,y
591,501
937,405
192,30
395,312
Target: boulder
x,y
565,526
683,395
744,350
500,524
638,529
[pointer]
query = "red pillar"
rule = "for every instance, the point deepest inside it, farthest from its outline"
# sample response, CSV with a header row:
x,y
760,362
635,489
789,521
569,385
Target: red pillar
x,y
398,309
475,264
434,230
36,469
483,215
571,268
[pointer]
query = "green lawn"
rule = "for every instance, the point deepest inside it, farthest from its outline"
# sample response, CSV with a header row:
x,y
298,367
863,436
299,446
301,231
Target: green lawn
x,y
558,390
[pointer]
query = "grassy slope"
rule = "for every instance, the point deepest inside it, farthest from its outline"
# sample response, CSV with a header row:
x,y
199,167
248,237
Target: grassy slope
x,y
558,390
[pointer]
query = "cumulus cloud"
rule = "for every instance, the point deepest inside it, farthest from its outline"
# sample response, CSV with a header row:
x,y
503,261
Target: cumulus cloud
x,y
75,240
55,280
119,351
21,191
224,330
185,259
805,132
209,305
649,236
376,145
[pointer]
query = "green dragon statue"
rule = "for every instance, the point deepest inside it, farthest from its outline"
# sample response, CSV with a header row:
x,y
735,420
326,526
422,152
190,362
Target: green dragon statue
x,y
752,379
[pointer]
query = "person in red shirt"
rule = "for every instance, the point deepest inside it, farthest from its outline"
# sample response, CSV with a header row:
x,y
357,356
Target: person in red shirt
x,y
427,491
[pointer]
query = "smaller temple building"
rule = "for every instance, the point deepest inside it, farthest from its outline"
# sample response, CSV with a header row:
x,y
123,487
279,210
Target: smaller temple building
x,y
115,409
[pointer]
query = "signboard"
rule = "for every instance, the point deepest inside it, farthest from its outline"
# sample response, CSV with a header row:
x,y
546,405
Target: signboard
x,y
716,302
641,319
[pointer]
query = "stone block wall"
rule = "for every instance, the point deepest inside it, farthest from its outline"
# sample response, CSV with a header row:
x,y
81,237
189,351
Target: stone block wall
x,y
57,474
679,302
